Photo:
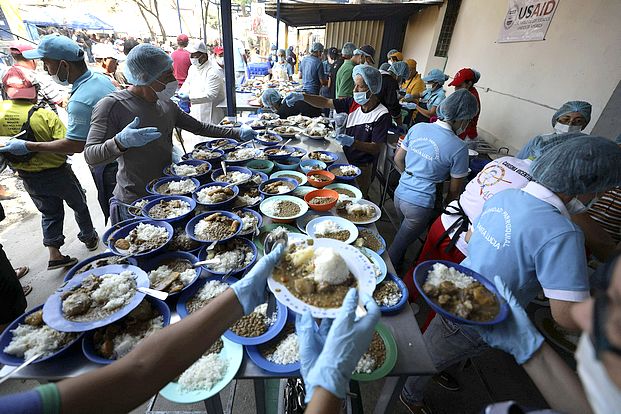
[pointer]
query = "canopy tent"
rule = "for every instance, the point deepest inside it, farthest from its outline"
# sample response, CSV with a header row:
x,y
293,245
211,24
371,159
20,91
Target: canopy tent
x,y
87,21
54,16
42,16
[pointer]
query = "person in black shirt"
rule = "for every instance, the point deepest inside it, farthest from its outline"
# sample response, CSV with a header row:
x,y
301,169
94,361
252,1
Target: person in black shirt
x,y
389,95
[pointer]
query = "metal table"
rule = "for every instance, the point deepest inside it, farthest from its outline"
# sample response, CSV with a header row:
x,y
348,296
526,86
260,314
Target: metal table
x,y
241,102
413,357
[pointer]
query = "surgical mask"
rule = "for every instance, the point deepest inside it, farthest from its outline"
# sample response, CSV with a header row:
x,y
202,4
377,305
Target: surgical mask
x,y
602,393
576,206
361,98
428,86
168,92
563,129
195,61
56,79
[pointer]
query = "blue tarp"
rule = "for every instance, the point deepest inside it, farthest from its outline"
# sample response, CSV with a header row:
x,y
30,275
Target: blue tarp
x,y
47,16
88,22
42,16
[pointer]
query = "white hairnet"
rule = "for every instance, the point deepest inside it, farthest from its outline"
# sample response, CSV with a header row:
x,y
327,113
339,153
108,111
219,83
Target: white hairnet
x,y
460,105
348,49
371,76
271,97
145,63
401,69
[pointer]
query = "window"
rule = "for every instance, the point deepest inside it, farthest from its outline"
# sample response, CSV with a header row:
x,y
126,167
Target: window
x,y
446,33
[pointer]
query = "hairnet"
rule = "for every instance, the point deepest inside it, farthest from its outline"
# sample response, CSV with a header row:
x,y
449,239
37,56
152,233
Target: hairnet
x,y
436,76
579,166
391,52
400,69
317,47
582,107
145,63
270,97
384,66
348,49
542,143
477,75
461,104
371,77
281,52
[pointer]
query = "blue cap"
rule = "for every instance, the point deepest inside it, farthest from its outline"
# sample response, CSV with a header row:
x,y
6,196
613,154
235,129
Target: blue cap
x,y
56,47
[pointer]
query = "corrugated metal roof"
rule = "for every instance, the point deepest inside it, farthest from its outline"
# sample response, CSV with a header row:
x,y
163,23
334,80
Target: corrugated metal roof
x,y
361,33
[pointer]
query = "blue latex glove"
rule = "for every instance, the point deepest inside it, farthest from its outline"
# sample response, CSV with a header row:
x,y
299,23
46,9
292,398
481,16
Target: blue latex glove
x,y
343,345
294,97
183,96
131,136
408,97
345,140
250,290
409,106
246,133
516,335
15,147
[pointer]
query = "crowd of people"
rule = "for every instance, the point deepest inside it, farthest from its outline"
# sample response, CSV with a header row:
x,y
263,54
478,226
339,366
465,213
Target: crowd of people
x,y
531,223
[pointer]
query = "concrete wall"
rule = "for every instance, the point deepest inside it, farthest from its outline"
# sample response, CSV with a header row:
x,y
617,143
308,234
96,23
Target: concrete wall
x,y
579,59
422,34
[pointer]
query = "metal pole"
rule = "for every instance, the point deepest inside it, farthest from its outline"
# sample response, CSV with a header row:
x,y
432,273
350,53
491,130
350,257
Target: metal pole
x,y
203,22
277,22
229,68
179,15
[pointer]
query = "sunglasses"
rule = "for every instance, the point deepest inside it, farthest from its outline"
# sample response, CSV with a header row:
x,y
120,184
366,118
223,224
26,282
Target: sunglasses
x,y
599,337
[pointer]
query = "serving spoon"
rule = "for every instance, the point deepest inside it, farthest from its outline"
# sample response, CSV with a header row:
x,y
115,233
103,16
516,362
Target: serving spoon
x,y
22,366
157,294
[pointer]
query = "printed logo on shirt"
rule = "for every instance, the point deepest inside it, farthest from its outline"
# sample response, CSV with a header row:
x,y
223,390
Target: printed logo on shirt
x,y
490,176
496,241
422,151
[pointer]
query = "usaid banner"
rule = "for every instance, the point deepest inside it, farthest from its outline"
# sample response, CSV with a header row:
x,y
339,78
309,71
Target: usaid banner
x,y
527,20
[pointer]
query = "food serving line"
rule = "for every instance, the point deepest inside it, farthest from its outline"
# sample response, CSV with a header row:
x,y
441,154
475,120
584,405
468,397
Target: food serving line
x,y
412,355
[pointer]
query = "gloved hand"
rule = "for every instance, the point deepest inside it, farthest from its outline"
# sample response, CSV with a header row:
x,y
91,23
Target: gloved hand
x,y
409,105
294,97
250,290
408,97
343,346
344,140
516,335
246,133
183,96
16,147
131,136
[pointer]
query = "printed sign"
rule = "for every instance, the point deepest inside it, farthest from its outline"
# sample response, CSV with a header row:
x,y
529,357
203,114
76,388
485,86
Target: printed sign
x,y
527,20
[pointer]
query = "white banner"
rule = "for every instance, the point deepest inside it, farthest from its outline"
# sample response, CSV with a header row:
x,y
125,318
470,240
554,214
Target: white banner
x,y
527,20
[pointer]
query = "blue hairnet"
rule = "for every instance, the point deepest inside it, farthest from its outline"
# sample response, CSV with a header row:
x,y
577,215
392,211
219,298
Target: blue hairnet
x,y
145,63
390,52
384,66
348,49
371,77
317,47
461,104
401,69
477,75
270,97
579,166
582,107
436,76
542,143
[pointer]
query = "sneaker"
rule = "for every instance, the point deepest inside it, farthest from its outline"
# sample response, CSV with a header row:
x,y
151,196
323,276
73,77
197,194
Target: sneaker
x,y
92,244
420,408
66,261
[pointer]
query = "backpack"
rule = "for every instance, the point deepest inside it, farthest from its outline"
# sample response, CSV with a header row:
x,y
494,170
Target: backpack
x,y
28,136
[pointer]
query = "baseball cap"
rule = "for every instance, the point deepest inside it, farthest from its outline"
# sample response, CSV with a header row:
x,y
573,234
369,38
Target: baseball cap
x,y
182,38
19,48
56,47
103,51
197,46
462,76
397,55
366,50
218,50
18,84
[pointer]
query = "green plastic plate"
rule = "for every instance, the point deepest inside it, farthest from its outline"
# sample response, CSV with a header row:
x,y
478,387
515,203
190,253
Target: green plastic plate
x,y
389,362
258,241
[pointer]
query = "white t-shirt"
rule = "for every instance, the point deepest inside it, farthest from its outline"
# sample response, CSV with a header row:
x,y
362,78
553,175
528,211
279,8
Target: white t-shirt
x,y
498,175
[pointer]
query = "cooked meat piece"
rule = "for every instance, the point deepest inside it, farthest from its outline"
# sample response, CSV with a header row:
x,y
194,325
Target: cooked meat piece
x,y
122,244
482,296
143,312
167,281
304,286
35,319
76,304
448,288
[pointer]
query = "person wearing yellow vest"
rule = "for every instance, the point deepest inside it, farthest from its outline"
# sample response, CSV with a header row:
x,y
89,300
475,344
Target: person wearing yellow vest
x,y
46,176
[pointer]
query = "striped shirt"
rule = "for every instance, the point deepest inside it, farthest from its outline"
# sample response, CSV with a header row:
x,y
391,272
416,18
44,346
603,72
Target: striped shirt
x,y
607,213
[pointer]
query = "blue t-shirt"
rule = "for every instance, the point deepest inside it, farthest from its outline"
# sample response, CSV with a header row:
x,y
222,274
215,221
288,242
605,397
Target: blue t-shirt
x,y
433,153
312,72
525,236
433,98
87,90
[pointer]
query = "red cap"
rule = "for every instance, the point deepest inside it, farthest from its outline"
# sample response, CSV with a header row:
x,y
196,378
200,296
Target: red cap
x,y
182,38
17,84
19,48
462,76
218,50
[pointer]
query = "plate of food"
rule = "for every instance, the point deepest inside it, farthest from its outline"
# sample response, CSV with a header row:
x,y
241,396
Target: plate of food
x,y
95,298
173,186
223,144
279,355
316,274
112,342
29,335
359,211
138,204
370,239
325,156
379,359
283,208
248,197
279,152
286,131
235,255
266,229
188,168
345,191
201,293
99,260
230,122
460,294
278,186
269,138
301,222
234,175
298,152
335,228
215,194
251,219
345,172
258,327
257,124
295,175
242,155
143,238
171,272
205,154
207,376
106,236
215,226
169,208
379,265
391,294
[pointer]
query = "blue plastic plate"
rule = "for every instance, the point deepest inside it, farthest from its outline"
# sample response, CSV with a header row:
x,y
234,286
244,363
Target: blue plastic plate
x,y
306,165
420,275
124,231
333,167
272,331
298,152
220,204
404,295
154,262
169,171
189,228
147,198
88,346
269,143
378,261
7,336
119,225
71,272
258,216
218,172
147,208
155,184
291,181
334,157
189,293
52,309
203,256
257,357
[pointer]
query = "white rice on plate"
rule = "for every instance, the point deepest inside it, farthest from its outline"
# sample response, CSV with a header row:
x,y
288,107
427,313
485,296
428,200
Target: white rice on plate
x,y
204,373
441,273
185,170
158,275
115,290
287,351
124,343
365,365
30,340
211,289
181,187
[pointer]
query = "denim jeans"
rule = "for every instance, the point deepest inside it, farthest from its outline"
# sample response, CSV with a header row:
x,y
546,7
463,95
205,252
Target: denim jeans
x,y
105,181
448,343
414,220
48,189
118,212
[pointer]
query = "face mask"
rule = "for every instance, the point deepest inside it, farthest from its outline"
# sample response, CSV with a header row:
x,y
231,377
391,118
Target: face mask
x,y
576,206
428,86
195,61
563,129
602,393
461,129
56,79
168,92
361,98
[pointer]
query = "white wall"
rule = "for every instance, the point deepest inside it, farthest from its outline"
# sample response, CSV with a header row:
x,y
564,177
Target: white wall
x,y
420,35
579,59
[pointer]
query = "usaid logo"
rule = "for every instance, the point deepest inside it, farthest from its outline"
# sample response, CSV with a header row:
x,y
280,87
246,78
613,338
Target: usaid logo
x,y
511,17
